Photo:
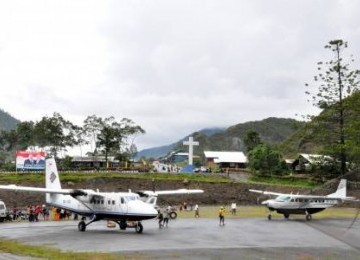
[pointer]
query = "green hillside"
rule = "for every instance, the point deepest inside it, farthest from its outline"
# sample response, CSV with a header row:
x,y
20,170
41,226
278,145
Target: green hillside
x,y
271,130
7,122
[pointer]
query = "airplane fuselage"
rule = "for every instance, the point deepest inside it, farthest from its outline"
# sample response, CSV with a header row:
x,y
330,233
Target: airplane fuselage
x,y
293,205
109,206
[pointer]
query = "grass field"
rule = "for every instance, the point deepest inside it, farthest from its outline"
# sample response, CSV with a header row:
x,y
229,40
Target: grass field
x,y
259,211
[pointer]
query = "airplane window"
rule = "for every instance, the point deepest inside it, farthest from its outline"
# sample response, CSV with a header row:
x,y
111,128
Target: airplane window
x,y
283,198
102,201
109,202
122,200
113,202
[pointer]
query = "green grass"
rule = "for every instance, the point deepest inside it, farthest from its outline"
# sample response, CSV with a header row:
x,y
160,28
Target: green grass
x,y
80,176
44,252
260,211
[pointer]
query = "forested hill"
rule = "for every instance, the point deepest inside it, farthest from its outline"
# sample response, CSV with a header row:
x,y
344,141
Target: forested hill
x,y
7,122
271,130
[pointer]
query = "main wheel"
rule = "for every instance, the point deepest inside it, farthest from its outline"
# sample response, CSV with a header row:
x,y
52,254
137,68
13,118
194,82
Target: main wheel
x,y
269,217
286,216
308,217
139,228
82,226
123,225
173,215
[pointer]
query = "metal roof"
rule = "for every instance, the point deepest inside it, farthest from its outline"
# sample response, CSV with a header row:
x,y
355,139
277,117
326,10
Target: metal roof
x,y
226,157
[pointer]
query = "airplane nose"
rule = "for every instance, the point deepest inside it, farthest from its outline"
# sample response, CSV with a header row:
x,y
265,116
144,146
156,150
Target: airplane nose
x,y
266,202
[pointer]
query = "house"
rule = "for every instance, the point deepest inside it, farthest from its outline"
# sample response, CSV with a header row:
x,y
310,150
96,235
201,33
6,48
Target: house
x,y
225,159
93,162
305,162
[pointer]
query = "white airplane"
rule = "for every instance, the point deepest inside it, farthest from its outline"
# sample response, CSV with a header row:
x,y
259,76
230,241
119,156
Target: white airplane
x,y
124,208
287,204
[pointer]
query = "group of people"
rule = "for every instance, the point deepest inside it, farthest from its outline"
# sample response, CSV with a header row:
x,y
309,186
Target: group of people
x,y
163,218
32,213
35,213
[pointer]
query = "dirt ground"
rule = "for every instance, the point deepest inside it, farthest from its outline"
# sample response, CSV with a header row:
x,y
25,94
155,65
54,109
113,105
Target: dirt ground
x,y
214,193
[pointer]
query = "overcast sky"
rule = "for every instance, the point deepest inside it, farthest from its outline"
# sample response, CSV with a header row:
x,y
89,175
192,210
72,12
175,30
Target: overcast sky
x,y
173,67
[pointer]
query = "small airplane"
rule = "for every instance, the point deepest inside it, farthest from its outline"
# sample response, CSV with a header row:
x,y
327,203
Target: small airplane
x,y
287,204
127,209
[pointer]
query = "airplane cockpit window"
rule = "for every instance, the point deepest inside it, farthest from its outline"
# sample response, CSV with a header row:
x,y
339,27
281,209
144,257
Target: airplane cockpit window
x,y
283,198
122,200
130,197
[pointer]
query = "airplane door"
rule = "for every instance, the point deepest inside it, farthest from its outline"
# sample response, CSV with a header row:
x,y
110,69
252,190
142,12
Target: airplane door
x,y
123,205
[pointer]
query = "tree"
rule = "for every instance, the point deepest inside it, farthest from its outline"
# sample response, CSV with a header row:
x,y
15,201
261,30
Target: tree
x,y
263,160
251,140
335,82
114,136
54,132
92,127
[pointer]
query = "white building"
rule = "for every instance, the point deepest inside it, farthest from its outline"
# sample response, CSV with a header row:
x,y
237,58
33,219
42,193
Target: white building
x,y
225,159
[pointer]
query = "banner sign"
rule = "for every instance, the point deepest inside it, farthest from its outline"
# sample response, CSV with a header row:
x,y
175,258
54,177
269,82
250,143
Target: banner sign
x,y
30,160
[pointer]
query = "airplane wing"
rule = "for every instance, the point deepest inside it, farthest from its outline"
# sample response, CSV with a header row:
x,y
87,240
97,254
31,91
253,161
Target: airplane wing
x,y
308,197
13,187
169,192
267,192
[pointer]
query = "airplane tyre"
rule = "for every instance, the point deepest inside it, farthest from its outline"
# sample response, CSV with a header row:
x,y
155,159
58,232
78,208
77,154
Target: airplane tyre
x,y
286,216
173,215
139,228
269,217
308,217
82,226
123,225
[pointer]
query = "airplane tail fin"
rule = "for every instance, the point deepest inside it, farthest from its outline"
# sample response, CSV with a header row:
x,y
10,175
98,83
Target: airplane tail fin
x,y
52,180
341,190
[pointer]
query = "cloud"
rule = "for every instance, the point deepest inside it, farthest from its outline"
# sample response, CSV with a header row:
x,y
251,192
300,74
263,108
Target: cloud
x,y
174,67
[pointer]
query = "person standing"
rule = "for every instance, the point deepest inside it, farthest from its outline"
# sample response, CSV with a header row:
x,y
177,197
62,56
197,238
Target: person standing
x,y
197,215
160,217
222,216
166,218
233,208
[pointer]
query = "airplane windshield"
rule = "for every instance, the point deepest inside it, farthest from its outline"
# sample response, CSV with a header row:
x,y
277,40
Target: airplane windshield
x,y
130,197
283,198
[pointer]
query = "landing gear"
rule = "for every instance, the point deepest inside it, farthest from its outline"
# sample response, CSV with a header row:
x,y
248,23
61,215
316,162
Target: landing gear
x,y
308,217
82,226
139,228
286,216
131,224
122,225
269,217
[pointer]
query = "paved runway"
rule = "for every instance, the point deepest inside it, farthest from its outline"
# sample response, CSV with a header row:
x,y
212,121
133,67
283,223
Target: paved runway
x,y
254,238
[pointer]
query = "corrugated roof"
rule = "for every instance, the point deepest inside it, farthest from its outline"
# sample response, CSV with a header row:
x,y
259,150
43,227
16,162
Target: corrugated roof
x,y
226,157
315,158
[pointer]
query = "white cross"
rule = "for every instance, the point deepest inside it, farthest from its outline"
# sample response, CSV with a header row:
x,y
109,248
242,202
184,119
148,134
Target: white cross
x,y
191,144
